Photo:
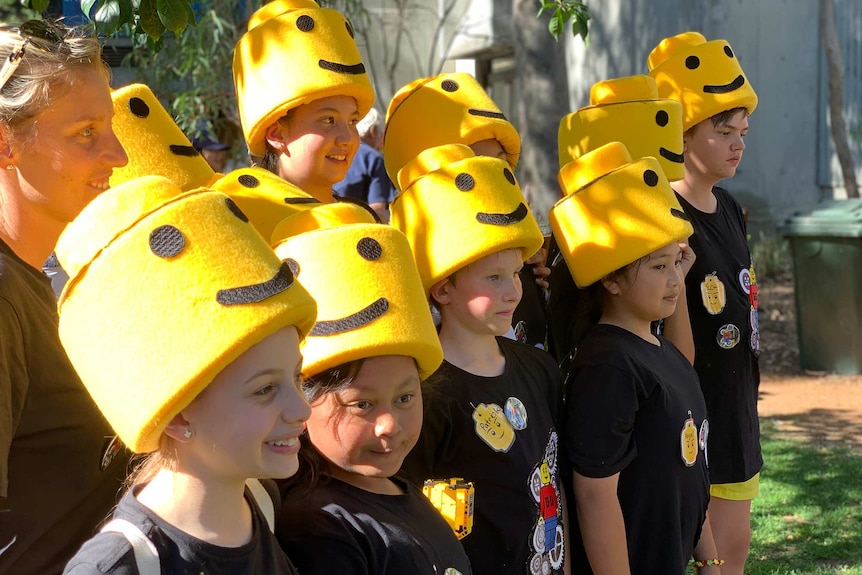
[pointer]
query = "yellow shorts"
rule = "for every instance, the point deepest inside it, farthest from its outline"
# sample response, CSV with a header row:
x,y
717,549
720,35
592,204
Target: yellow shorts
x,y
745,491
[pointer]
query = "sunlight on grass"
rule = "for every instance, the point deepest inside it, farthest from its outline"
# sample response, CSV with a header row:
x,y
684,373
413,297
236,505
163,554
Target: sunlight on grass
x,y
808,518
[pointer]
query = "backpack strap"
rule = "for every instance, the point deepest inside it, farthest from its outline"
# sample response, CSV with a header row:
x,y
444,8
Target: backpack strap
x,y
264,501
146,555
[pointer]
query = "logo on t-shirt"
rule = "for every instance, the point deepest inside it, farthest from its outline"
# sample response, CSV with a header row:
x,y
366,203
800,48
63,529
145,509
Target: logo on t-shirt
x,y
493,428
547,541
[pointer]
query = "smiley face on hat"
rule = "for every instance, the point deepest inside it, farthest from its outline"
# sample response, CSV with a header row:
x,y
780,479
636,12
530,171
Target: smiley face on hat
x,y
705,77
371,301
154,143
295,52
166,289
457,208
444,109
615,211
627,110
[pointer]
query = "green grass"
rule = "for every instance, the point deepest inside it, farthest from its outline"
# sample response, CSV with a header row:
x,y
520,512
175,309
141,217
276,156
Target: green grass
x,y
807,519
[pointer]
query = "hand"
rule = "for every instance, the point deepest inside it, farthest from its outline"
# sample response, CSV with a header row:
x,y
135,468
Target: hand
x,y
688,257
540,270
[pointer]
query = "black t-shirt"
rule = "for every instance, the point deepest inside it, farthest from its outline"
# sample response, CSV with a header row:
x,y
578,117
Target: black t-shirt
x,y
721,291
339,528
179,552
635,408
529,320
60,468
501,434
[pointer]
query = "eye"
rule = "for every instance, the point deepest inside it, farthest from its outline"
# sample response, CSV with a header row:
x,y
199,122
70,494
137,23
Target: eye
x,y
728,51
87,132
248,181
370,249
692,62
406,398
167,241
231,205
510,177
449,85
349,27
464,182
264,390
661,118
139,108
494,277
362,404
305,23
659,267
650,178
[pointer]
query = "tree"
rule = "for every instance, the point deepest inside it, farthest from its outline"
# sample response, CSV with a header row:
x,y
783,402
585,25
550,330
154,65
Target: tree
x,y
837,122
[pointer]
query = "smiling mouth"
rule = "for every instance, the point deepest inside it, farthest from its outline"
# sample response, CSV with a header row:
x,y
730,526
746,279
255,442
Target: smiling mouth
x,y
354,321
670,156
257,292
486,114
724,89
341,68
186,151
512,217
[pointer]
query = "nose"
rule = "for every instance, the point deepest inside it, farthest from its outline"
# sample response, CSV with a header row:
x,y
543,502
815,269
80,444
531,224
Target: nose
x,y
738,143
386,424
296,408
347,134
113,153
513,289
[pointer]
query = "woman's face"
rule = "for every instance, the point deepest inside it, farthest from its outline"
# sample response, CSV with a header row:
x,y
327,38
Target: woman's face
x,y
317,144
70,150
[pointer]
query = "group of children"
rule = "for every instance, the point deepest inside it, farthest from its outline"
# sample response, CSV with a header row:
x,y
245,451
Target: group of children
x,y
271,331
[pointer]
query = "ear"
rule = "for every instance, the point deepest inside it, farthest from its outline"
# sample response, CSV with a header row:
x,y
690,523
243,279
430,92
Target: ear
x,y
177,429
440,292
611,285
276,136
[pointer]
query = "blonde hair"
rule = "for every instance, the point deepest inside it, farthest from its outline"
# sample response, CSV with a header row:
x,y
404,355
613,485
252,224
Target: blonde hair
x,y
45,69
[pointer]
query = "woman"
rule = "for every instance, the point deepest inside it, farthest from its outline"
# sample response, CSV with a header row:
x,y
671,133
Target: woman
x,y
60,469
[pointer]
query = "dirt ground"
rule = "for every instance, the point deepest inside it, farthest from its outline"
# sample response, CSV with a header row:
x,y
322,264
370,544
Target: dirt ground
x,y
822,408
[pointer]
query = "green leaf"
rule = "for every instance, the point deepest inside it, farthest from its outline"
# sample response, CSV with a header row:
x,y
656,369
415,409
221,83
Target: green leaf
x,y
173,14
107,17
149,20
555,25
87,6
39,5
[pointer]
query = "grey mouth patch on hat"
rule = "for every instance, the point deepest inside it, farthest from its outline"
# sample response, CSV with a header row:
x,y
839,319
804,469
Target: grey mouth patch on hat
x,y
301,200
257,292
486,114
725,88
342,68
671,156
188,151
679,214
354,321
512,217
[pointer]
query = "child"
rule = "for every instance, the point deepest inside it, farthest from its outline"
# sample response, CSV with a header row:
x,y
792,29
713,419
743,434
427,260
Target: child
x,y
454,109
373,343
494,412
717,100
301,88
636,427
626,110
209,333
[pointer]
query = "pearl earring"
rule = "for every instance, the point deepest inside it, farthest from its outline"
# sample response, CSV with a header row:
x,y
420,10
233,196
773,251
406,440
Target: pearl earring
x,y
187,434
10,167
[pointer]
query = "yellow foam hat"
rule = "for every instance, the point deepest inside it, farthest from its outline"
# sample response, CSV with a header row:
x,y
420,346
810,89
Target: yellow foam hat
x,y
627,110
705,77
371,301
615,211
295,52
154,143
166,289
457,208
445,109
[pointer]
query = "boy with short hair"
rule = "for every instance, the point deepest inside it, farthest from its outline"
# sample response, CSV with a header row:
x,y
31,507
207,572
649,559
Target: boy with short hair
x,y
493,408
717,99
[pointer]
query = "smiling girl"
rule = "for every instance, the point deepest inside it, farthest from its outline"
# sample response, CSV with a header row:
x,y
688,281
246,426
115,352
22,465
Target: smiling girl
x,y
636,428
346,511
201,375
301,89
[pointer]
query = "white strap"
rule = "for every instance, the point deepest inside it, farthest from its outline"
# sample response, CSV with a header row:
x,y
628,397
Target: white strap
x,y
146,555
264,501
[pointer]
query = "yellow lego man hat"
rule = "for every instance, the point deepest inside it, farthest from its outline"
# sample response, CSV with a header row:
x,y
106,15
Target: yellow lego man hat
x,y
295,52
154,143
614,212
445,109
371,301
704,76
166,289
627,110
457,208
